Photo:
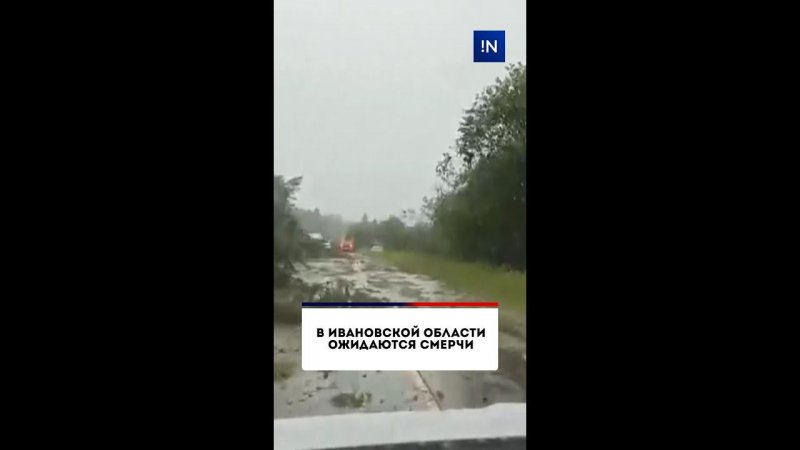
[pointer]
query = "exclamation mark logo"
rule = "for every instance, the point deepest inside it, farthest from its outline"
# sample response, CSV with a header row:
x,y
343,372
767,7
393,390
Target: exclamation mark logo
x,y
488,46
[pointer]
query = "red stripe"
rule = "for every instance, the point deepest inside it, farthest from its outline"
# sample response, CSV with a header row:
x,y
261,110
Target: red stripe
x,y
453,304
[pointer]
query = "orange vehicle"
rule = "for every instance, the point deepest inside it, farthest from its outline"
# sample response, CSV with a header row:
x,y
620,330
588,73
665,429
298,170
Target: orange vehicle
x,y
347,246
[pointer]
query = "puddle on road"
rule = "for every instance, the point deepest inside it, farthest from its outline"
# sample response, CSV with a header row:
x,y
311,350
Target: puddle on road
x,y
378,280
409,292
348,400
323,393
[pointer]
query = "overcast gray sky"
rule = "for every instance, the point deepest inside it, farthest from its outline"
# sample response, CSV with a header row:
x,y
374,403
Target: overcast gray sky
x,y
369,94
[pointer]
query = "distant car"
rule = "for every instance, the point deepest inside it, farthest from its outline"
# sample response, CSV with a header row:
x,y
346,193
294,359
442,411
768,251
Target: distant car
x,y
312,244
347,246
376,248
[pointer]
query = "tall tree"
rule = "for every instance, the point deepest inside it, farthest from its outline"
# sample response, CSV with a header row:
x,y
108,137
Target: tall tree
x,y
481,207
286,230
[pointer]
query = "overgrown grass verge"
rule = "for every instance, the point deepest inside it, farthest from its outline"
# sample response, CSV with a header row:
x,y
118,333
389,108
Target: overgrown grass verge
x,y
283,370
481,280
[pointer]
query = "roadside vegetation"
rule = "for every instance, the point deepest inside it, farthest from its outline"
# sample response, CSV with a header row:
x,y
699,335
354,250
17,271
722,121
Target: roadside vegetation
x,y
287,233
478,213
471,232
474,229
331,226
486,282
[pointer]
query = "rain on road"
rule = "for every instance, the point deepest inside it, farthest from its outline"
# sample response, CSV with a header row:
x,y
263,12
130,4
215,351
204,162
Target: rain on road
x,y
299,393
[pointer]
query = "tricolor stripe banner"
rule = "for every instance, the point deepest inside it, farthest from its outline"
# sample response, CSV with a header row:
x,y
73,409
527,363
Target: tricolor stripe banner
x,y
400,304
404,336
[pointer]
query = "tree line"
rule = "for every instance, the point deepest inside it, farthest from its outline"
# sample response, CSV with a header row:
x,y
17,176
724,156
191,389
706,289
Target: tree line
x,y
331,226
287,232
478,212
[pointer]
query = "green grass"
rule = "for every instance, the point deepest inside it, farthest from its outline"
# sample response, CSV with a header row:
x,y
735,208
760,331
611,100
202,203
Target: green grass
x,y
282,370
481,280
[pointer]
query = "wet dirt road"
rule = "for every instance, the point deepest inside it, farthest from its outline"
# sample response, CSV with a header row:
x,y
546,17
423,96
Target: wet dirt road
x,y
299,393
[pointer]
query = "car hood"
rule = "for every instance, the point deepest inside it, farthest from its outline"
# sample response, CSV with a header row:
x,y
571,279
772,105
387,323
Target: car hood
x,y
499,421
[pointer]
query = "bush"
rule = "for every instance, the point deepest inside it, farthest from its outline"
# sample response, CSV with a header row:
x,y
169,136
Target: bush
x,y
286,230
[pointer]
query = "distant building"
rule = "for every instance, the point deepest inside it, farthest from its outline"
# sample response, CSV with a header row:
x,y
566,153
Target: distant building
x,y
313,244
